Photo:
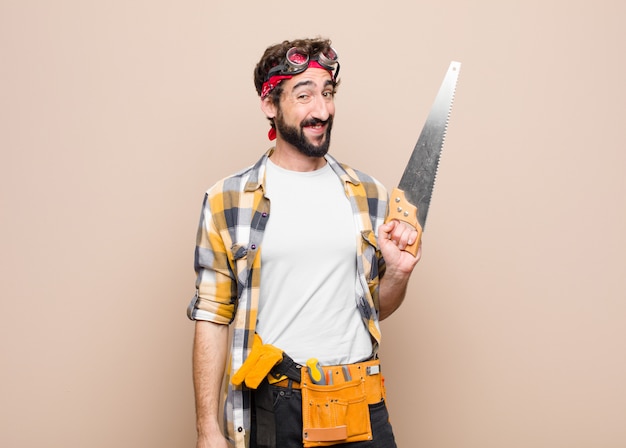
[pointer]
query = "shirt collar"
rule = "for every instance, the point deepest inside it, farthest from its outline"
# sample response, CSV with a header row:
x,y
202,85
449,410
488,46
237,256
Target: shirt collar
x,y
257,175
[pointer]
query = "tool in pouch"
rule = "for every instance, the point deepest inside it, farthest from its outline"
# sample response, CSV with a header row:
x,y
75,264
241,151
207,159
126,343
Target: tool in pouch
x,y
411,198
317,374
335,402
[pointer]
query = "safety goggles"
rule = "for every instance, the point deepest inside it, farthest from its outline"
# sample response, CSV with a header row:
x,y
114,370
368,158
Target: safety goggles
x,y
296,62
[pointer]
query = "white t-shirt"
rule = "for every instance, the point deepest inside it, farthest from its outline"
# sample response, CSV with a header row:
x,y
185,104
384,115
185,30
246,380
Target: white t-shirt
x,y
307,303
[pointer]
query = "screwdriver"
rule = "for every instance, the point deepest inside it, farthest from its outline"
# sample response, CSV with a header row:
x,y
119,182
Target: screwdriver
x,y
315,371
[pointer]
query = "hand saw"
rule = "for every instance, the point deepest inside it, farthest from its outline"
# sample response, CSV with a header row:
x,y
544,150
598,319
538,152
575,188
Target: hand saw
x,y
410,200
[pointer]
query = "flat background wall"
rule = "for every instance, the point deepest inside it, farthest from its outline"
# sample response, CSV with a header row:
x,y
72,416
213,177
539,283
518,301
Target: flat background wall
x,y
116,116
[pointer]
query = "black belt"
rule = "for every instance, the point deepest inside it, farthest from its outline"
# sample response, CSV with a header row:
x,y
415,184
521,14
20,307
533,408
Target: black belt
x,y
287,367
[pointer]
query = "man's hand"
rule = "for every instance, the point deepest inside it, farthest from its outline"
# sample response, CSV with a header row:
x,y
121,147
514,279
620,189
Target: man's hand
x,y
393,238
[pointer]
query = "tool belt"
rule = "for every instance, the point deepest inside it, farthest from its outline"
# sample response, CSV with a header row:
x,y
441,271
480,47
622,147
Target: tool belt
x,y
337,411
335,399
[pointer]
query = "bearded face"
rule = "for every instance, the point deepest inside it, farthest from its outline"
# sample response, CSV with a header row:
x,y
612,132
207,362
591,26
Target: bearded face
x,y
311,146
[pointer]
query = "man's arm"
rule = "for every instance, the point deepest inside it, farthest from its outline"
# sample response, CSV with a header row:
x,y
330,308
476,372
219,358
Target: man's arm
x,y
393,238
210,349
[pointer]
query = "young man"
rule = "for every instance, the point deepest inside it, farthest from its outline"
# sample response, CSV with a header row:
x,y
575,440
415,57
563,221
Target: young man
x,y
294,256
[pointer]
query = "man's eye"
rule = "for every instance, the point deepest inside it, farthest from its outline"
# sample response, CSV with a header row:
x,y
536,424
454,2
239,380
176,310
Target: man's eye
x,y
304,98
329,94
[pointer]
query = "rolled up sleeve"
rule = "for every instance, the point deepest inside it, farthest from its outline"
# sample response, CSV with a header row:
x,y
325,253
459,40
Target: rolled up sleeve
x,y
216,285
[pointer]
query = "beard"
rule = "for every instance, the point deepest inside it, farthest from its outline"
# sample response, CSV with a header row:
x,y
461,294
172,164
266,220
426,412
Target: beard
x,y
295,136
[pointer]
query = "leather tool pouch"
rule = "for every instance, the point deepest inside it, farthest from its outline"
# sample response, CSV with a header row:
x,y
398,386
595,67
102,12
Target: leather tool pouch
x,y
337,413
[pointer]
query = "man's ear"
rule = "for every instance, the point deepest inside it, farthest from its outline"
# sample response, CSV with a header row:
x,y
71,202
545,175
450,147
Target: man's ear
x,y
268,107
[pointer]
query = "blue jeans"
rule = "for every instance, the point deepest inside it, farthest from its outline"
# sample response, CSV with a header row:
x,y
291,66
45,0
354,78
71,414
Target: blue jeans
x,y
286,408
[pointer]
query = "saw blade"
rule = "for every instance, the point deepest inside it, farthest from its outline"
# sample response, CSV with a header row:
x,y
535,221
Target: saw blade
x,y
418,179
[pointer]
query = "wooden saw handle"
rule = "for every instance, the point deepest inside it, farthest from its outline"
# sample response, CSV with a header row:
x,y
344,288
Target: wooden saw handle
x,y
403,210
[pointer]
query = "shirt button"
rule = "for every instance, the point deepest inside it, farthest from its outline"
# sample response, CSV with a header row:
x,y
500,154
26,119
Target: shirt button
x,y
253,247
240,429
264,214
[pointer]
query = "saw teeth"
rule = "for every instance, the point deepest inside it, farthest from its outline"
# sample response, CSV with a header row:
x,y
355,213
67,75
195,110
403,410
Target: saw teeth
x,y
420,175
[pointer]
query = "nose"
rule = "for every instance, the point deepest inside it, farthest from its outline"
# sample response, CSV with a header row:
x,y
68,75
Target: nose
x,y
322,108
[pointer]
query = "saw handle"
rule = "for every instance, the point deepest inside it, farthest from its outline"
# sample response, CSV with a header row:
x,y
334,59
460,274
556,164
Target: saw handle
x,y
403,210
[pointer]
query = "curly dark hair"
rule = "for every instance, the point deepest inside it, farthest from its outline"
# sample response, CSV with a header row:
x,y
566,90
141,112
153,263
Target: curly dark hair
x,y
275,55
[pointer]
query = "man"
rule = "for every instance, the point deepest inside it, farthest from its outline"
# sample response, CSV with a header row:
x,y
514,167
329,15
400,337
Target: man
x,y
295,254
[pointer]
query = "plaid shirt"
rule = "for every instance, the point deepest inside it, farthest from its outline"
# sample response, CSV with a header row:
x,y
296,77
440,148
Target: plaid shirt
x,y
227,262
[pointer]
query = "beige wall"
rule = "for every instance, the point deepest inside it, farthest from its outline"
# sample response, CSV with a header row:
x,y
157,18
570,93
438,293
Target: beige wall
x,y
116,116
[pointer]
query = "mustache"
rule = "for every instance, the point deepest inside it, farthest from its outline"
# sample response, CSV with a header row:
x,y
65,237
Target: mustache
x,y
316,122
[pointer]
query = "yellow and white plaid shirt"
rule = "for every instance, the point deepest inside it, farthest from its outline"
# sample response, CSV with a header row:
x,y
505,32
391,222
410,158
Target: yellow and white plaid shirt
x,y
228,262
